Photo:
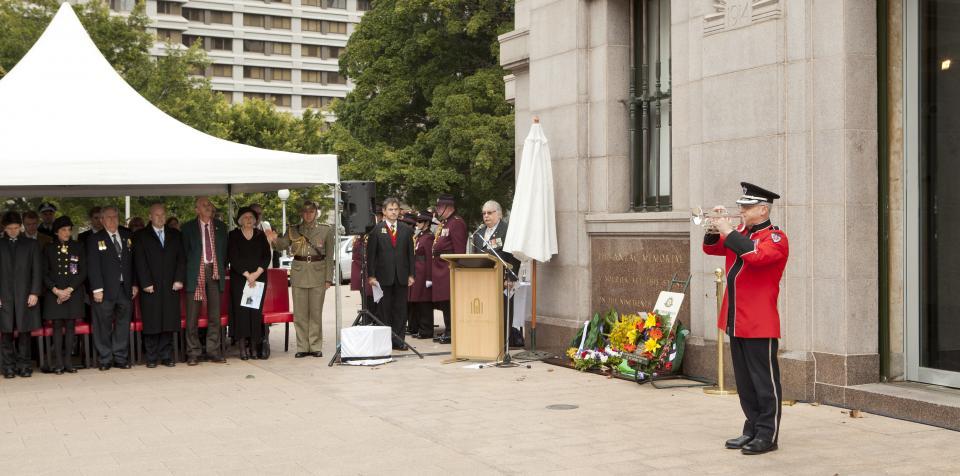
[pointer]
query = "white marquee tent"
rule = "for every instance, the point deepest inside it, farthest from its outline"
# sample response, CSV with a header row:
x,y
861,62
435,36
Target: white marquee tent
x,y
71,126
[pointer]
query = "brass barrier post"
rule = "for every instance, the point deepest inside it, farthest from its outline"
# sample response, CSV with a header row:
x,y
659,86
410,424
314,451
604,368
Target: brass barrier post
x,y
718,388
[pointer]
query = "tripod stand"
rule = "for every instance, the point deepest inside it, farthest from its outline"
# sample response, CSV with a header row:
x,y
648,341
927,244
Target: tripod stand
x,y
364,316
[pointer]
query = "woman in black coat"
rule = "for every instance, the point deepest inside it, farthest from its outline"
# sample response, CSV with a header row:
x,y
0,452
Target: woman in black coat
x,y
64,271
21,282
248,254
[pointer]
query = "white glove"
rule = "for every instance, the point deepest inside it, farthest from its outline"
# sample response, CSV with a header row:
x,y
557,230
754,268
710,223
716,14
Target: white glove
x,y
429,283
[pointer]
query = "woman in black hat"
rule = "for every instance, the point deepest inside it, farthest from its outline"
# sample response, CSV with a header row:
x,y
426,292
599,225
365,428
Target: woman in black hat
x,y
248,254
64,271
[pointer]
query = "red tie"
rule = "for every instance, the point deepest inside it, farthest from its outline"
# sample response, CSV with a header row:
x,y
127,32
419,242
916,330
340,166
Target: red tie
x,y
393,235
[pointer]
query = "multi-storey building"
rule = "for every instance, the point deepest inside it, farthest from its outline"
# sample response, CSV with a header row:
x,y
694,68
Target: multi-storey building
x,y
283,51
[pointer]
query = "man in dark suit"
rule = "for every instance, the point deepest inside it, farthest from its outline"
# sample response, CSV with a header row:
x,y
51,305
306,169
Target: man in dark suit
x,y
48,212
488,238
390,266
205,249
161,271
110,271
21,281
96,224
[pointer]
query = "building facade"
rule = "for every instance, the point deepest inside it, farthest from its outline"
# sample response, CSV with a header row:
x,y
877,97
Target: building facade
x,y
844,107
282,51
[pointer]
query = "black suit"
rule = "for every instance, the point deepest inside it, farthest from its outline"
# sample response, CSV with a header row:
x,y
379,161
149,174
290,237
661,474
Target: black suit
x,y
21,274
488,246
159,265
111,271
391,263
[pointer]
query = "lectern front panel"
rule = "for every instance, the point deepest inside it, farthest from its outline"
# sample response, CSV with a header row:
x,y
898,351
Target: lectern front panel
x,y
477,312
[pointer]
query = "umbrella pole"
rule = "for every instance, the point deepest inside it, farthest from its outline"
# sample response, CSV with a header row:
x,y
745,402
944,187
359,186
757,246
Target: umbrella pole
x,y
533,353
533,310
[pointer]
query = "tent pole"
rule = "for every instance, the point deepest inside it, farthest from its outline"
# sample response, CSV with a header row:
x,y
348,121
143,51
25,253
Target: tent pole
x,y
126,209
336,260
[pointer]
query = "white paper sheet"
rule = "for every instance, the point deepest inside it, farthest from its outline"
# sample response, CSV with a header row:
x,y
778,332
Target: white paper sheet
x,y
377,292
252,297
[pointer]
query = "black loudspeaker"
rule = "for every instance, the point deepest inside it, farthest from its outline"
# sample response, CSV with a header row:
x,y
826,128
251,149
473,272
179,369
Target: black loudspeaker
x,y
358,206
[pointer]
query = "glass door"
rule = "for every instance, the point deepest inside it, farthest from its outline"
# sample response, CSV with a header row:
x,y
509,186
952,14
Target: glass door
x,y
933,75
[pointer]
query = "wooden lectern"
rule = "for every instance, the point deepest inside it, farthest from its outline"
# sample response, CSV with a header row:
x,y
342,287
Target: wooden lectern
x,y
476,306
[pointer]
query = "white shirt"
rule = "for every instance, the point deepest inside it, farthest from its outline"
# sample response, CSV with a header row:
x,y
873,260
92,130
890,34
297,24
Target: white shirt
x,y
488,233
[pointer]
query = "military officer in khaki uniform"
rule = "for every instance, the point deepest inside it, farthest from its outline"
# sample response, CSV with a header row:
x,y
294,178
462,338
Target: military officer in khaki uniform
x,y
312,245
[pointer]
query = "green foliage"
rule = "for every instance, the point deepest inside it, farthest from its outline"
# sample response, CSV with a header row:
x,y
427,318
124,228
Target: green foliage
x,y
428,114
168,84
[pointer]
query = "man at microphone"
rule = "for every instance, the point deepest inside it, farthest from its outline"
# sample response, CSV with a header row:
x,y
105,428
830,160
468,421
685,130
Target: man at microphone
x,y
488,238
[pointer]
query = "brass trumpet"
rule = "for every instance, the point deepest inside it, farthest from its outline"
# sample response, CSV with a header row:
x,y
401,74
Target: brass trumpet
x,y
708,219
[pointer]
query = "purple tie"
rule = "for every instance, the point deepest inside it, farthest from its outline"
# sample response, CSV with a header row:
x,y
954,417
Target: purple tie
x,y
207,246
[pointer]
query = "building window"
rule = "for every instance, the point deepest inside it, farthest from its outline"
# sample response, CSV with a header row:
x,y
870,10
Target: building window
x,y
331,52
331,77
324,26
364,5
279,49
307,76
168,8
279,74
322,52
225,44
310,3
226,95
315,102
223,18
650,107
253,72
280,100
169,36
266,21
253,46
222,71
208,16
193,14
341,4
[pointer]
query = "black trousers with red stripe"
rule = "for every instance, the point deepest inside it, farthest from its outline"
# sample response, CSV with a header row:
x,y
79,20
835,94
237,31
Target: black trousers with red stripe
x,y
757,373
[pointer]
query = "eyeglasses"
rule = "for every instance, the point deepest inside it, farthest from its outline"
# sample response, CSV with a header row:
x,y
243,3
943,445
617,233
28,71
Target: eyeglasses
x,y
485,213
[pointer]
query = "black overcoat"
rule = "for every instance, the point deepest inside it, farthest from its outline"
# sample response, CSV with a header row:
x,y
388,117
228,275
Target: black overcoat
x,y
64,266
159,266
21,274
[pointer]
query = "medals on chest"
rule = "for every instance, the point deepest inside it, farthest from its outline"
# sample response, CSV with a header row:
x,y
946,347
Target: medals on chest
x,y
102,245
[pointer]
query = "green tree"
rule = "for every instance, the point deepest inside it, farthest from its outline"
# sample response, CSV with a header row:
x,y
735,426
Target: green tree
x,y
428,114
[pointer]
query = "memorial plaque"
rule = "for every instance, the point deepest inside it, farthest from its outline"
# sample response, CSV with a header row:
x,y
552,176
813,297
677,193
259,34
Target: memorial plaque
x,y
628,273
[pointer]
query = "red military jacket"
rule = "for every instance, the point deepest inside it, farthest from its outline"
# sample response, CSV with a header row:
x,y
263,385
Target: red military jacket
x,y
423,262
356,265
754,265
451,238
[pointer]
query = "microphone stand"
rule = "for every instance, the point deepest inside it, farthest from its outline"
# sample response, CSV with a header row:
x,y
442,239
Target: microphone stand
x,y
508,319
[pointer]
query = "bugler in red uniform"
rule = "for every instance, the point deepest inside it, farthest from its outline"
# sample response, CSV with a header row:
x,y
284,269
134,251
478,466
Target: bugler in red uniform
x,y
754,263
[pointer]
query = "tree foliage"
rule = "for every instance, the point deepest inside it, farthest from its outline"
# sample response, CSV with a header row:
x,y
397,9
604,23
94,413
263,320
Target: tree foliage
x,y
166,82
428,114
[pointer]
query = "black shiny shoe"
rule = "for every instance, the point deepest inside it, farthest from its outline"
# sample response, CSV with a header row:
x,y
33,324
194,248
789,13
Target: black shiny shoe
x,y
738,442
300,355
70,370
317,354
25,373
758,446
168,363
58,371
151,365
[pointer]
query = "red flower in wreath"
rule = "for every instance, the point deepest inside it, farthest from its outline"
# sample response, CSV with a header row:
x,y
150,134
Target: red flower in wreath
x,y
668,365
630,347
656,334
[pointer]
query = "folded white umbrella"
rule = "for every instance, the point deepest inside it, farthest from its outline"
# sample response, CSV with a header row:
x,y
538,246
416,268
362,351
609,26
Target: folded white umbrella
x,y
533,224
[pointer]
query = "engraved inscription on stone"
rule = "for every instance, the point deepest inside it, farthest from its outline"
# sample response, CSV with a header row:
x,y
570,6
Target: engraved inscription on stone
x,y
629,273
733,14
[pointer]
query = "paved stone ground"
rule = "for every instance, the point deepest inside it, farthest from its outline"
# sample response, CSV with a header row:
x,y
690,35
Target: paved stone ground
x,y
298,416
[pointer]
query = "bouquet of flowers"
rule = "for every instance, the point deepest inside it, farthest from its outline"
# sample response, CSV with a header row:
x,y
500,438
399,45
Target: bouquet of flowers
x,y
604,359
644,342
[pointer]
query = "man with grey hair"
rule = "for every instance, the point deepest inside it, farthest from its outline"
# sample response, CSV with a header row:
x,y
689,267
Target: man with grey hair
x,y
488,238
110,271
